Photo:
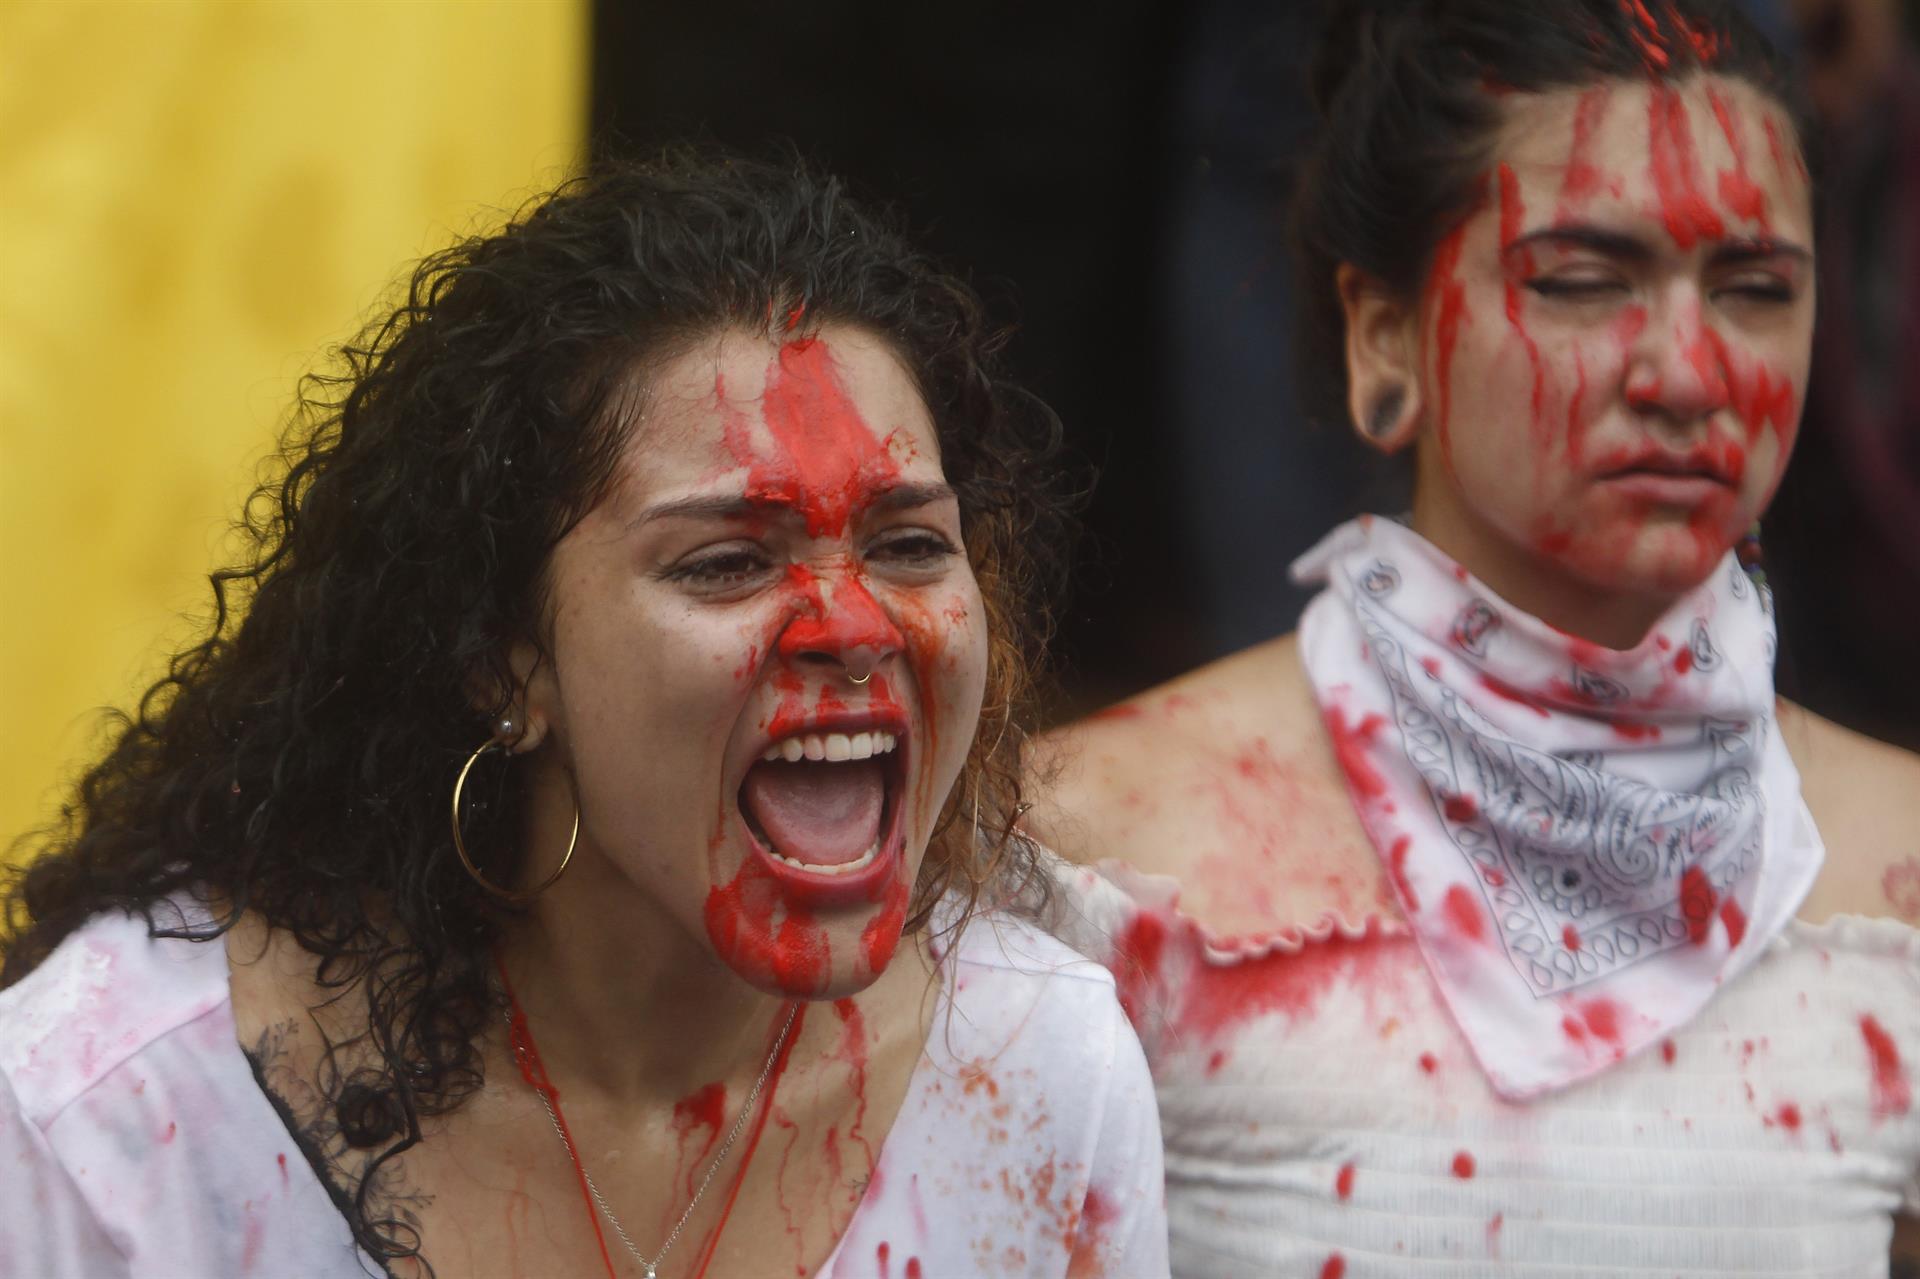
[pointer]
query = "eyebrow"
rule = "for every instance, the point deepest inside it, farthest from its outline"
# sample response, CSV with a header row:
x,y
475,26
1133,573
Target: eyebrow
x,y
895,497
1619,244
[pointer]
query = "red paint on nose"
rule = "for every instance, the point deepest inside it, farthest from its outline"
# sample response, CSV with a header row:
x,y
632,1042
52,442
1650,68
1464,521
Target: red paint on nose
x,y
837,618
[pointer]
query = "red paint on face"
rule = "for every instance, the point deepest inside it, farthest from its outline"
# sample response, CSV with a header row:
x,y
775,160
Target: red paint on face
x,y
756,929
1738,191
837,618
881,936
1512,216
1218,999
1350,746
1570,937
1343,1183
1892,1093
1697,900
1461,808
1463,913
1463,1166
826,461
1675,171
1761,397
1735,919
1582,178
1335,1267
1397,868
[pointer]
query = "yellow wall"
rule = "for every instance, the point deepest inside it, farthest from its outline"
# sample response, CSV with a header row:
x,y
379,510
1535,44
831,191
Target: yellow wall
x,y
196,197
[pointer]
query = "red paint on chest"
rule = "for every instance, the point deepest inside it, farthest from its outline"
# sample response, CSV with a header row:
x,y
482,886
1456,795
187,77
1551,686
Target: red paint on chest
x,y
1343,1183
1464,914
826,460
1892,1092
1901,885
1350,746
1697,900
1463,1166
1216,999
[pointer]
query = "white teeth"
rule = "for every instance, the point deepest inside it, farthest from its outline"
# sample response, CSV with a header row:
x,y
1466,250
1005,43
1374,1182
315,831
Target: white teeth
x,y
845,868
833,747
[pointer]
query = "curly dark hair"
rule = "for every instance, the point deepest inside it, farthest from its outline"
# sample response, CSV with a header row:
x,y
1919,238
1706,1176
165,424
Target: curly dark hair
x,y
296,762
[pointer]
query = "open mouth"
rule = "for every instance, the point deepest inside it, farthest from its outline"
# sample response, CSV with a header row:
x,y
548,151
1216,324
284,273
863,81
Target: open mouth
x,y
823,806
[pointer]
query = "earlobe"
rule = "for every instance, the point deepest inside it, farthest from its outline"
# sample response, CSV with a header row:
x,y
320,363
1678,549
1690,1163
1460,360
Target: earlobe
x,y
1382,346
522,726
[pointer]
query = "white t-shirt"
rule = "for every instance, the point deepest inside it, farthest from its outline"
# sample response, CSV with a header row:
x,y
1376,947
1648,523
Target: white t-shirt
x,y
134,1139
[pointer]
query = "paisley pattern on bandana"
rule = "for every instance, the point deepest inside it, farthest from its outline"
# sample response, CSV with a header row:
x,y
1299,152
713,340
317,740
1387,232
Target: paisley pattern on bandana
x,y
1587,842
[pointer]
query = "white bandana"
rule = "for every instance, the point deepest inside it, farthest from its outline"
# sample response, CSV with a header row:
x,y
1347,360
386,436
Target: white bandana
x,y
1587,842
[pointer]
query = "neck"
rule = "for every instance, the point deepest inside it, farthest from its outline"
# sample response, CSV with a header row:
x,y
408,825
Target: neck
x,y
622,1001
1541,587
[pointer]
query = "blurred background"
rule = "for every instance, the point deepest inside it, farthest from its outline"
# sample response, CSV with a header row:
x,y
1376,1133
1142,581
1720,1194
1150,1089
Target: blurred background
x,y
197,197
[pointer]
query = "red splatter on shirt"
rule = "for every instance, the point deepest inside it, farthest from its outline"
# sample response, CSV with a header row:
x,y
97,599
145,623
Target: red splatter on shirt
x,y
1463,1166
1570,937
1336,1267
1735,919
1667,1051
1461,808
1697,900
1788,1116
1343,1183
1429,1063
1350,746
1892,1092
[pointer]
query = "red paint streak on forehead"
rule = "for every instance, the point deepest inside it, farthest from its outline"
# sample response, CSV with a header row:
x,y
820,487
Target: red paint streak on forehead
x,y
1583,176
1512,217
825,459
1737,188
1675,171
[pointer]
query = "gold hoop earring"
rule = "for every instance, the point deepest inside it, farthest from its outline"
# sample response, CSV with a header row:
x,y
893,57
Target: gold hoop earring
x,y
460,843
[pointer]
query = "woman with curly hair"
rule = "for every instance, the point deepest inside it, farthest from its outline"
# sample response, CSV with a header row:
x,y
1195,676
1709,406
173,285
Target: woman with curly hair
x,y
1501,920
567,851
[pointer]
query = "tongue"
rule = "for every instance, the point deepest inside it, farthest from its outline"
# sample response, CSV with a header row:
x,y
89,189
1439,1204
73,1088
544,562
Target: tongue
x,y
819,813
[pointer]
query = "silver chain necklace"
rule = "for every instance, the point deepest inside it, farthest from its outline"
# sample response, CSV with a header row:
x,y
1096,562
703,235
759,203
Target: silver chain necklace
x,y
652,1267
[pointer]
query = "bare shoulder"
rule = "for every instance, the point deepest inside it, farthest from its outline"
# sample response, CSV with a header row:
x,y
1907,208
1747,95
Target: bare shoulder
x,y
1865,798
1224,779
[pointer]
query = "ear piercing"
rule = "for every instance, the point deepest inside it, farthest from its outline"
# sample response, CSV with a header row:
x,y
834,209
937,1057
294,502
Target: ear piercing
x,y
507,728
1381,420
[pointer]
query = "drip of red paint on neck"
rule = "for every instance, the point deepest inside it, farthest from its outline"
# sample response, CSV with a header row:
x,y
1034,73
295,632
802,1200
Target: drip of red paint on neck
x,y
712,1241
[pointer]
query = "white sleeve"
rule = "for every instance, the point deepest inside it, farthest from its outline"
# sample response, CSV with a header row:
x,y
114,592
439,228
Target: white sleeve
x,y
47,1228
1124,1221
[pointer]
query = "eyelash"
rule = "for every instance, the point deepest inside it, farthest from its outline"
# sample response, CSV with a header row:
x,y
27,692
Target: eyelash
x,y
736,565
1580,290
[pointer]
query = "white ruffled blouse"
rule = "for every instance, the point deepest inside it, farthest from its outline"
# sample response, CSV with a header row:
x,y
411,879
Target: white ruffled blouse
x,y
1323,1115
